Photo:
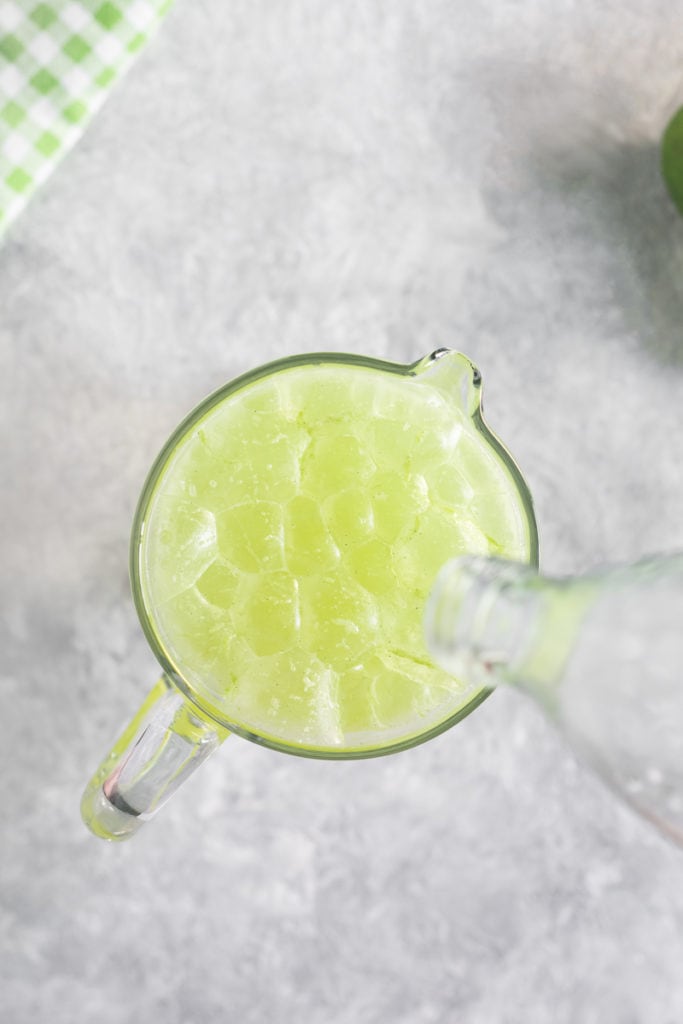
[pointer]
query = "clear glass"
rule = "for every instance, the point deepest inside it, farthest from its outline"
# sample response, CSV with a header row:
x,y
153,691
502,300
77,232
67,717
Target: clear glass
x,y
601,653
182,722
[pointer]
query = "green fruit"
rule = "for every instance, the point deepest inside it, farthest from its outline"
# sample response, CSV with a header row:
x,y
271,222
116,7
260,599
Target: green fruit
x,y
672,159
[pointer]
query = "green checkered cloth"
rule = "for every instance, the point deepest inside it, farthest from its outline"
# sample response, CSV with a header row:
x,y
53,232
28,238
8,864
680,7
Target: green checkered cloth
x,y
58,62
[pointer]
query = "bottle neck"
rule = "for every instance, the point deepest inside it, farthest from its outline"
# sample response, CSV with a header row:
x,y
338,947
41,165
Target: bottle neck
x,y
491,621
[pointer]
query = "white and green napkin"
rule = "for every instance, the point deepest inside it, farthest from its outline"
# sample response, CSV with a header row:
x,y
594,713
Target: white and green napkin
x,y
58,62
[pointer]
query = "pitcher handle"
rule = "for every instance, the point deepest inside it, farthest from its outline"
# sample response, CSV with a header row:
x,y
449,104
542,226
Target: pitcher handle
x,y
165,742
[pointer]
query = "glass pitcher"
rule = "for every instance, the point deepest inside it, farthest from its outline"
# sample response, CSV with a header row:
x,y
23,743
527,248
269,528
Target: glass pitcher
x,y
281,555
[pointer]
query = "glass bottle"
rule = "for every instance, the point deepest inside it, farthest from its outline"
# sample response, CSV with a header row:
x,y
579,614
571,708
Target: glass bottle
x,y
601,653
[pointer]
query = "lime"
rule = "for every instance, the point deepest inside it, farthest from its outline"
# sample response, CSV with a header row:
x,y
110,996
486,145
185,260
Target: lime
x,y
672,159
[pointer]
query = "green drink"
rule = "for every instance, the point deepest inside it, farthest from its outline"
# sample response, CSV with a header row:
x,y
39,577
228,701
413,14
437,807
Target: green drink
x,y
284,547
292,538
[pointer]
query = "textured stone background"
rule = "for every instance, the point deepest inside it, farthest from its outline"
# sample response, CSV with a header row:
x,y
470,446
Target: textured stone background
x,y
379,178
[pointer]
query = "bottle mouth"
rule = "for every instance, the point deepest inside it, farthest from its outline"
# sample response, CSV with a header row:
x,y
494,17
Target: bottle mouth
x,y
466,633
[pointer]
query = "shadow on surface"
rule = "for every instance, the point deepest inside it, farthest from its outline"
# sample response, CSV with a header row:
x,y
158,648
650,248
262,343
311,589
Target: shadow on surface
x,y
622,193
578,168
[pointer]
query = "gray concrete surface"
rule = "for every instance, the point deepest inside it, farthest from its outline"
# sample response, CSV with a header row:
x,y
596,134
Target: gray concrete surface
x,y
386,179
